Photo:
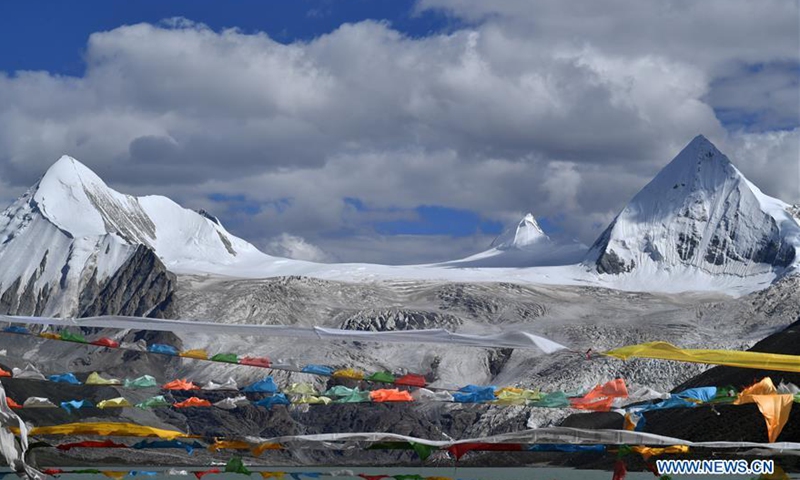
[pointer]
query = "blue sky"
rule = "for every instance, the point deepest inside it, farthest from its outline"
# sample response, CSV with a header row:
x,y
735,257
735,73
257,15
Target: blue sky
x,y
51,35
396,131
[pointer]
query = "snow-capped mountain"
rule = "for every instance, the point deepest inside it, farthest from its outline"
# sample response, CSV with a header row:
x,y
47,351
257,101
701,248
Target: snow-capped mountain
x,y
526,233
524,245
70,242
701,212
73,246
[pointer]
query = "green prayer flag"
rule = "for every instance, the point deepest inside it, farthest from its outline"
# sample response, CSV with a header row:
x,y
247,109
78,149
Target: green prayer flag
x,y
424,451
727,394
552,400
235,465
72,337
624,450
384,377
225,357
355,397
340,391
144,381
157,401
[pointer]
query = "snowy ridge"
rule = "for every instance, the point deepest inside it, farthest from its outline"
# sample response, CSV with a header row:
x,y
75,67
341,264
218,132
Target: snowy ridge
x,y
70,232
699,211
698,225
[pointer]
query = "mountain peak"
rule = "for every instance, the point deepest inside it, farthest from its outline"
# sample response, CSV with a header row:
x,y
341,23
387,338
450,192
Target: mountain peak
x,y
698,211
527,232
68,170
71,232
77,201
701,142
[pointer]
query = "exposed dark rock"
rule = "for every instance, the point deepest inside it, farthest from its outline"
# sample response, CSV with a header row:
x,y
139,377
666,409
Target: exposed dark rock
x,y
459,297
225,241
609,262
596,420
209,216
141,287
28,299
498,358
398,319
10,298
687,244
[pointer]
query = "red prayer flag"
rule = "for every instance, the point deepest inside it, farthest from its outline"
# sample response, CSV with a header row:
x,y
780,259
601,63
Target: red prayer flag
x,y
206,472
411,379
256,362
619,470
182,384
460,449
193,402
106,342
91,444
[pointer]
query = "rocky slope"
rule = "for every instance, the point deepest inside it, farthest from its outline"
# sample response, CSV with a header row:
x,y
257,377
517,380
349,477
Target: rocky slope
x,y
580,317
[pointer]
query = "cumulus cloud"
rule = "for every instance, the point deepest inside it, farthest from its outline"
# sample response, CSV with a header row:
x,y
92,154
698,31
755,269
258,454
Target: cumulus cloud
x,y
567,120
291,246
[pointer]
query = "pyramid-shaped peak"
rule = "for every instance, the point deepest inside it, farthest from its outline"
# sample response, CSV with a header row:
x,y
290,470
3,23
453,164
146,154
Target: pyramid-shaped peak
x,y
701,145
67,171
699,211
530,221
526,232
76,200
699,166
702,151
701,142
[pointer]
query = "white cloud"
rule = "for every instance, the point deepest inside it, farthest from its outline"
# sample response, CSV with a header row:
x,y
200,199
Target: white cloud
x,y
291,246
567,120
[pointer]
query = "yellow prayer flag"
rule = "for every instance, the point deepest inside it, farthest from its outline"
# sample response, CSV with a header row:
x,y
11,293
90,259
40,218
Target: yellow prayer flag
x,y
94,378
119,402
648,452
114,474
349,373
229,445
198,353
773,406
109,429
731,358
261,448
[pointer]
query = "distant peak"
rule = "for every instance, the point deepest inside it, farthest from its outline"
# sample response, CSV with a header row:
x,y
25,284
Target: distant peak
x,y
530,221
526,232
